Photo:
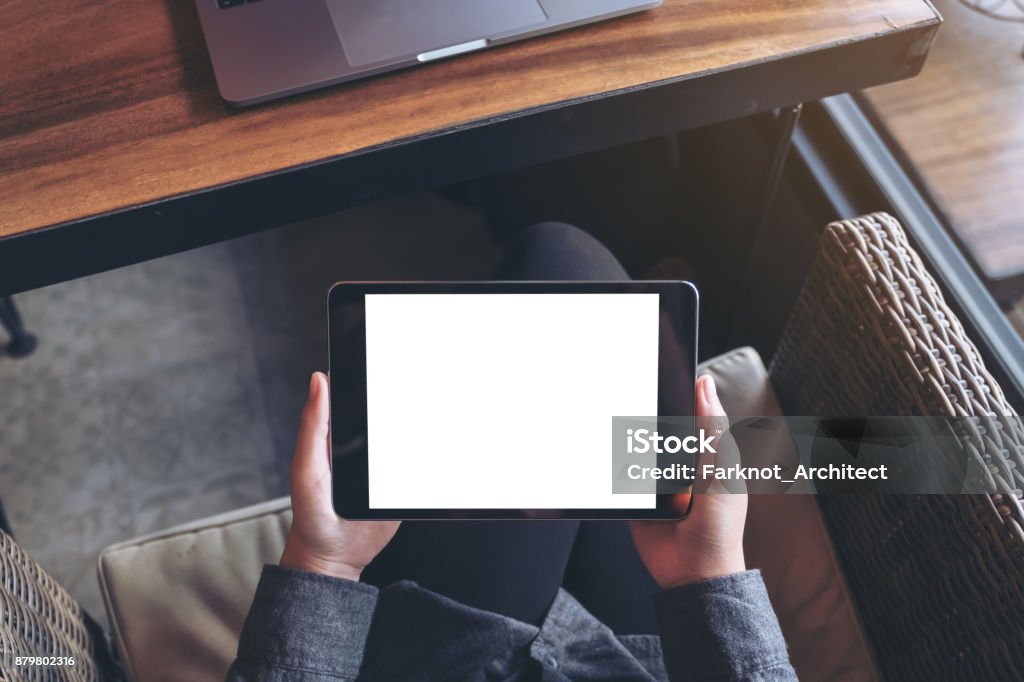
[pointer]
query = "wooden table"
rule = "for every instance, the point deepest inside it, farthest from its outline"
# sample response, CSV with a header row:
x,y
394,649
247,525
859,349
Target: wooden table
x,y
115,147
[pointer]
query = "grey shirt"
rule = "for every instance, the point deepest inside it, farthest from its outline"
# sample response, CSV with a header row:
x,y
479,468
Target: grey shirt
x,y
307,627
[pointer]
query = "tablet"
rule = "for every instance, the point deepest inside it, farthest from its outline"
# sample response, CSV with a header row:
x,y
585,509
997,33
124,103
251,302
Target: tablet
x,y
496,400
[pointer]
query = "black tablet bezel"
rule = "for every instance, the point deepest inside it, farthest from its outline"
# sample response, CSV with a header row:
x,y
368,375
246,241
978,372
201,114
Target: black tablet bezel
x,y
346,302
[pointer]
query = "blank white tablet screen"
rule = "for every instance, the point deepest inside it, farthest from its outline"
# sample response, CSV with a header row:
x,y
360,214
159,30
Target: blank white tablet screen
x,y
504,401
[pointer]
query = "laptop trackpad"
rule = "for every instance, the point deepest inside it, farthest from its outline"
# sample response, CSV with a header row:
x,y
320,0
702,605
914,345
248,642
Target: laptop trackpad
x,y
385,30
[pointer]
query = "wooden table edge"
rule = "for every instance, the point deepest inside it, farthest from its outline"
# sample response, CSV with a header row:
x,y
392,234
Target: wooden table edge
x,y
912,40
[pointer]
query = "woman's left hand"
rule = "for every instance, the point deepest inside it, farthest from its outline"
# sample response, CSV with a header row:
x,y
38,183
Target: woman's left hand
x,y
320,541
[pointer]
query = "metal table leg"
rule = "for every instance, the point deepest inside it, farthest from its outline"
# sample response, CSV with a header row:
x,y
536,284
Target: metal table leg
x,y
21,342
785,125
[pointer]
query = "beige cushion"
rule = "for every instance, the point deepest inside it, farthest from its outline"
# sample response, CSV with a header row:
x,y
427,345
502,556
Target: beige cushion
x,y
177,599
786,538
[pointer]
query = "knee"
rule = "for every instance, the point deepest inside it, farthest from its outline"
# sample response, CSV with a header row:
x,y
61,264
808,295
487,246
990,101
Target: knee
x,y
557,236
559,251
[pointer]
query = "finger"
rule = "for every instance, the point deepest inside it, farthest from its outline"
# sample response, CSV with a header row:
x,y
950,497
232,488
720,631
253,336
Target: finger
x,y
311,465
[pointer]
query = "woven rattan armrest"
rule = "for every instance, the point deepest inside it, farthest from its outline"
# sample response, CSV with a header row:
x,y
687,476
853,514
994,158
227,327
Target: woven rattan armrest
x,y
938,580
38,618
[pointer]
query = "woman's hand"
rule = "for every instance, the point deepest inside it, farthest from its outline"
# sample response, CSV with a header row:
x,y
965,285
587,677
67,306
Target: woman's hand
x,y
709,542
319,540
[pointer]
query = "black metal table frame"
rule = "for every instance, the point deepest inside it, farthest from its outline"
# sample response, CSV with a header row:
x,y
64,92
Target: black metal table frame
x,y
847,159
104,242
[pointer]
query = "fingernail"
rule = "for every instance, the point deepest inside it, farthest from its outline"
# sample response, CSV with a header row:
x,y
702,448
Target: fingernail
x,y
314,386
710,394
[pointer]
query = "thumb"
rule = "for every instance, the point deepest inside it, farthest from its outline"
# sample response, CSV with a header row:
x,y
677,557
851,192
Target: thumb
x,y
311,467
711,418
708,404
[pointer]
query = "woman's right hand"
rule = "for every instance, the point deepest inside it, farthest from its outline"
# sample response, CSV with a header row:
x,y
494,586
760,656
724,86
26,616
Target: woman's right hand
x,y
708,543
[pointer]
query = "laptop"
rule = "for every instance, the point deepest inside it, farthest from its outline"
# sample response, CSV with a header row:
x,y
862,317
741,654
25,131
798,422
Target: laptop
x,y
265,49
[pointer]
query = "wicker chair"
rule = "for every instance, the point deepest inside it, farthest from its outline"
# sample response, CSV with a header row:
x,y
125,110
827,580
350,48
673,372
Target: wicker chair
x,y
938,580
39,618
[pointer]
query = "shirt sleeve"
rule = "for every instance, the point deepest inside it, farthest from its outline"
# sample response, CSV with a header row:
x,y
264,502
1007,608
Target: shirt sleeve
x,y
304,626
722,629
